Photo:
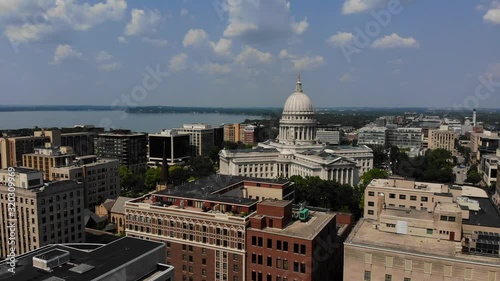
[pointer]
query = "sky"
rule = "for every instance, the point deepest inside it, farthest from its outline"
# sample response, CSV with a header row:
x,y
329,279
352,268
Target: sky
x,y
248,53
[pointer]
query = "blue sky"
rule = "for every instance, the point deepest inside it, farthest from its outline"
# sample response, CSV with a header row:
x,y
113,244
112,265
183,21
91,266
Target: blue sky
x,y
239,53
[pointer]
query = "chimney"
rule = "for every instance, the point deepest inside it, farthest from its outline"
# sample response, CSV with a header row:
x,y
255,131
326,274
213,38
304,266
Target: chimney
x,y
474,117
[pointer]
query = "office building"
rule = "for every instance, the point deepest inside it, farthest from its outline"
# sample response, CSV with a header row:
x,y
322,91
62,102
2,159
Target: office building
x,y
13,148
234,132
46,213
124,259
443,139
295,152
372,136
488,167
483,143
202,138
47,158
283,243
129,148
177,145
100,178
203,223
328,135
219,136
404,137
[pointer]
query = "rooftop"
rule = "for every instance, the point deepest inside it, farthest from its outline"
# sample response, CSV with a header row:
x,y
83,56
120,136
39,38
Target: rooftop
x,y
303,230
486,216
103,260
365,234
22,170
211,189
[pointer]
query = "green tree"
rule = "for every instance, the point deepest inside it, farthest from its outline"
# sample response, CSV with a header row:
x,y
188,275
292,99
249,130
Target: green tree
x,y
125,177
178,175
201,166
372,174
152,178
473,175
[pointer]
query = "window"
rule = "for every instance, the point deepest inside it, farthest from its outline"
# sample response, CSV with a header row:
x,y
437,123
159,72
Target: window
x,y
285,264
285,246
203,261
368,258
269,261
235,257
424,199
278,245
452,219
402,196
407,279
444,218
408,265
269,243
429,231
427,268
254,258
448,271
370,212
371,193
278,263
254,241
388,277
392,195
259,260
235,267
413,198
295,266
204,272
468,274
295,248
302,249
261,242
389,261
302,268
203,251
368,275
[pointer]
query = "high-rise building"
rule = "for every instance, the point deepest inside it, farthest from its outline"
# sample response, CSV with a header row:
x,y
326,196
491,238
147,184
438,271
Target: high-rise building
x,y
129,148
443,139
234,132
328,136
204,223
13,148
483,143
202,138
295,152
100,178
424,231
124,259
404,137
44,213
177,147
47,158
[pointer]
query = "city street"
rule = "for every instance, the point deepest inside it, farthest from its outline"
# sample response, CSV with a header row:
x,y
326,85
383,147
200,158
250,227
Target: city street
x,y
460,174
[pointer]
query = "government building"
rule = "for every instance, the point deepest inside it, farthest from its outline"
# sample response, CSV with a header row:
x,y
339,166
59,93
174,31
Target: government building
x,y
297,151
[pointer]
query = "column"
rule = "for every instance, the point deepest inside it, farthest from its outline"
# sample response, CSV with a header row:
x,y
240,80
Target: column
x,y
337,175
352,176
341,176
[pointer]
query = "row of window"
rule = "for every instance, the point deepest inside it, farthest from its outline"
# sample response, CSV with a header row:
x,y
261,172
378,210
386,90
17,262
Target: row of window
x,y
280,245
279,263
402,196
257,276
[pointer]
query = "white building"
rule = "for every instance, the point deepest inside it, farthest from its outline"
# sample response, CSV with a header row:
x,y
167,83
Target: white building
x,y
296,151
372,136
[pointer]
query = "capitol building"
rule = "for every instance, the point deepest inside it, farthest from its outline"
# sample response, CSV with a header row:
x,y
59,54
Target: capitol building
x,y
296,150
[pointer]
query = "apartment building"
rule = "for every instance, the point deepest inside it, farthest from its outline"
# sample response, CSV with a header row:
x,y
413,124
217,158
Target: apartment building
x,y
424,231
130,148
202,138
81,139
100,178
45,213
234,132
483,143
175,143
124,259
283,244
47,158
203,223
13,148
404,137
488,167
442,139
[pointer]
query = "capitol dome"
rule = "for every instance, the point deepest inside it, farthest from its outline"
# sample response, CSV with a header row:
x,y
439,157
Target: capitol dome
x,y
298,101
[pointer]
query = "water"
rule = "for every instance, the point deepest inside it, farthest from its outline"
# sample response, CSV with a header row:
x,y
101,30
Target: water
x,y
149,123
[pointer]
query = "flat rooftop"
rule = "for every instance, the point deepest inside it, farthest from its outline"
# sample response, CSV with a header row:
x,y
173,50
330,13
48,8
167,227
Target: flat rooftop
x,y
402,184
23,170
407,213
275,203
209,188
303,230
103,259
365,234
487,216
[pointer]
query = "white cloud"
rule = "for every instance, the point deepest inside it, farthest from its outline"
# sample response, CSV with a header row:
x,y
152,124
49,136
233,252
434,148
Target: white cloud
x,y
492,16
341,38
346,78
395,41
223,47
302,63
122,39
261,21
214,68
360,6
65,52
194,37
48,19
308,63
110,66
143,22
300,27
396,71
155,42
178,63
395,61
184,12
103,56
254,55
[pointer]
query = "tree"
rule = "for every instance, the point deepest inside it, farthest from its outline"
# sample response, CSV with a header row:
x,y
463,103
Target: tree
x,y
201,166
473,175
125,177
372,174
152,178
178,175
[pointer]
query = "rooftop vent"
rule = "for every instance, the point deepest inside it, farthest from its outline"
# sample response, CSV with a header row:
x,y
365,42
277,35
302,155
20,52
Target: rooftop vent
x,y
51,259
82,268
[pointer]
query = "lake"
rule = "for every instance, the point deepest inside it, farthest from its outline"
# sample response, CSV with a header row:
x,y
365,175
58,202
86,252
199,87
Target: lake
x,y
149,123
